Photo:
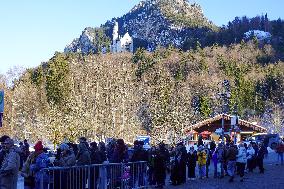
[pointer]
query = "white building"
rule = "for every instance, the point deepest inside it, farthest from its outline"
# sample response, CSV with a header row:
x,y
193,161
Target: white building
x,y
121,44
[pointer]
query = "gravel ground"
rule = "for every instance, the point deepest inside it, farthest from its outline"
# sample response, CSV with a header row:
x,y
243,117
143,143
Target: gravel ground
x,y
273,178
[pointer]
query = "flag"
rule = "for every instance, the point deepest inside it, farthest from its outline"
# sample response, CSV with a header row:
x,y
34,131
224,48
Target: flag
x,y
1,101
1,106
1,119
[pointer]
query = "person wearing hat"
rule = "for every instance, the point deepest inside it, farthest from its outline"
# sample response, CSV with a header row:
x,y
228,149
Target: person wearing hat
x,y
66,158
10,166
41,162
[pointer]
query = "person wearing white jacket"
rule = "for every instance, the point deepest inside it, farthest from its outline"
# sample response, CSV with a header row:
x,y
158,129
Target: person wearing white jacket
x,y
241,161
250,156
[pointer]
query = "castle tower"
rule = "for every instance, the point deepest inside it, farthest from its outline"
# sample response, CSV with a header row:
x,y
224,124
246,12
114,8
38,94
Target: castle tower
x,y
115,32
121,43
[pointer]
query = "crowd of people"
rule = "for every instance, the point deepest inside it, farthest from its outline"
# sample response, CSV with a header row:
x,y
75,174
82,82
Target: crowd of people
x,y
181,164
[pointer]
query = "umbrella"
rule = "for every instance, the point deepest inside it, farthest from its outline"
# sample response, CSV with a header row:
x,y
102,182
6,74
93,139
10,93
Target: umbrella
x,y
205,133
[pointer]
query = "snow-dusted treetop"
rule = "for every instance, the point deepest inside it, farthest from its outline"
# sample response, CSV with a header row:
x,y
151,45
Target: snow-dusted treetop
x,y
260,35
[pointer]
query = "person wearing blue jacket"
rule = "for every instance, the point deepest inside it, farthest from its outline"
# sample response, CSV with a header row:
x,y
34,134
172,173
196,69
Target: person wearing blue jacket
x,y
41,162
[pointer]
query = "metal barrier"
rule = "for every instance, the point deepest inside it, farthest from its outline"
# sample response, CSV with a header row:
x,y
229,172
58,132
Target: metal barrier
x,y
99,176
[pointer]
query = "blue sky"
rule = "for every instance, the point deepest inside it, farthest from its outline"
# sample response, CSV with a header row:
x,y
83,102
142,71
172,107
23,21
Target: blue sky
x,y
32,30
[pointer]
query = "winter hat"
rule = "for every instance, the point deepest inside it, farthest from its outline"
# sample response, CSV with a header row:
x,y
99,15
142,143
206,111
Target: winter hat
x,y
38,146
3,138
63,147
180,143
120,142
136,142
141,143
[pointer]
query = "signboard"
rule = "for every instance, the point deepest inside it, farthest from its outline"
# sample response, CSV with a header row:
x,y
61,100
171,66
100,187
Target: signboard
x,y
145,139
234,120
1,101
108,140
219,131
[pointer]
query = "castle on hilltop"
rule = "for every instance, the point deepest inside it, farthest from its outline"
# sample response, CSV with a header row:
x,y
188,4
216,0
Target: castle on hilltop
x,y
121,44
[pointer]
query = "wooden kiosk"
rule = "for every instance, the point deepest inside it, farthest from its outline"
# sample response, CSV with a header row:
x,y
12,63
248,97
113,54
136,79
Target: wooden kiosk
x,y
210,125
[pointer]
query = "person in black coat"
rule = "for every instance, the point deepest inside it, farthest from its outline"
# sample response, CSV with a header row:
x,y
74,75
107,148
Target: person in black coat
x,y
152,153
139,154
102,151
178,166
255,160
120,155
160,165
191,163
94,170
212,146
183,162
259,158
200,141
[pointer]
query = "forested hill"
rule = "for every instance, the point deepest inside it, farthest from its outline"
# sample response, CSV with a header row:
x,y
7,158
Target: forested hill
x,y
154,23
158,93
151,23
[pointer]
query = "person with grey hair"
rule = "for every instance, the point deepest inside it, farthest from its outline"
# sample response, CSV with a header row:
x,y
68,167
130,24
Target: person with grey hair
x,y
10,166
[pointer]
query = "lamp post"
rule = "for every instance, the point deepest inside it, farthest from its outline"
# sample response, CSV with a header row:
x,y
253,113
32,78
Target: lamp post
x,y
225,95
234,127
